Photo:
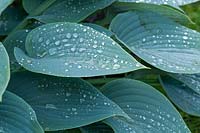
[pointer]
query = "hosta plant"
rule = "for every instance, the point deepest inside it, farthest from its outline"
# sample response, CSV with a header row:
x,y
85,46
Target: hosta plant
x,y
92,66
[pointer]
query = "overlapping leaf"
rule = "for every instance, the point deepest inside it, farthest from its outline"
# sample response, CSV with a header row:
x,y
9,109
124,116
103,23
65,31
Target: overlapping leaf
x,y
72,10
4,4
63,103
99,28
174,3
182,95
16,39
17,116
149,110
176,15
4,70
191,80
68,49
159,41
31,5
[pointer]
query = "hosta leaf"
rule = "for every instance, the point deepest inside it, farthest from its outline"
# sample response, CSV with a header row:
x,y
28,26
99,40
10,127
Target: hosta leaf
x,y
9,19
4,70
72,10
174,3
17,116
149,110
63,103
68,49
99,28
191,80
31,5
183,96
4,4
159,41
176,15
16,39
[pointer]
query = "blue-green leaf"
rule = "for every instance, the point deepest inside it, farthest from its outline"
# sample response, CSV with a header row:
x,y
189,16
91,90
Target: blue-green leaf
x,y
148,109
170,12
191,80
99,28
31,5
4,4
4,70
63,103
73,50
174,3
159,41
17,116
182,95
16,39
72,11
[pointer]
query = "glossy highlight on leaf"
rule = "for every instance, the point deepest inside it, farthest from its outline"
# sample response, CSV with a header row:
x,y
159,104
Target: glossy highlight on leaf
x,y
4,70
73,50
148,109
159,41
17,116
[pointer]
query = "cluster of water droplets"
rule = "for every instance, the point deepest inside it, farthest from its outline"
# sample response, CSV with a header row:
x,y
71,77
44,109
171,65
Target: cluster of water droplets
x,y
74,97
175,3
76,47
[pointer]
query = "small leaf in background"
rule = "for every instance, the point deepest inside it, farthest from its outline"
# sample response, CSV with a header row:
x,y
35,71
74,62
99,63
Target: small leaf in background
x,y
16,39
159,41
73,50
4,4
63,103
191,80
182,95
174,3
4,70
31,5
148,109
72,10
17,116
9,19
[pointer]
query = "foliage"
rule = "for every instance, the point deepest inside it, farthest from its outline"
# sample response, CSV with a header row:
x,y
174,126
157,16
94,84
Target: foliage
x,y
99,66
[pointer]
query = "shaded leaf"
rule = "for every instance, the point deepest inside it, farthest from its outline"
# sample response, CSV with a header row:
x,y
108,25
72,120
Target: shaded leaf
x,y
17,116
4,70
98,127
9,19
191,80
69,49
181,95
159,41
16,39
72,10
4,4
63,103
149,110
